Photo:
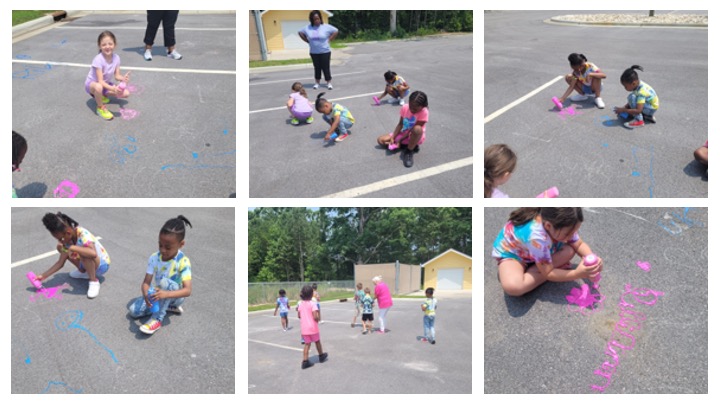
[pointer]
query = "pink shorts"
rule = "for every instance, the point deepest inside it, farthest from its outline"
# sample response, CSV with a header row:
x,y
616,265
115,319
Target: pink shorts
x,y
315,337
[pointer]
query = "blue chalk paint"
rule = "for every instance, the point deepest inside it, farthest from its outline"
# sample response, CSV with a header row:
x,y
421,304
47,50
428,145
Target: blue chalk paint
x,y
60,383
194,155
22,56
27,359
71,320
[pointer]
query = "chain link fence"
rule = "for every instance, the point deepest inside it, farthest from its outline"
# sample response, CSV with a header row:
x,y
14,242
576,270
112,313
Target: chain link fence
x,y
267,293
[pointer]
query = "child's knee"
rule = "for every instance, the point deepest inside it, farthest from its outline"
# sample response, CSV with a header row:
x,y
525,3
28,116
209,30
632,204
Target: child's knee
x,y
512,289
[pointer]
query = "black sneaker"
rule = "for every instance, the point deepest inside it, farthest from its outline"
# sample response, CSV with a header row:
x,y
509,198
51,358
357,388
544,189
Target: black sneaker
x,y
323,357
408,159
432,342
650,118
306,364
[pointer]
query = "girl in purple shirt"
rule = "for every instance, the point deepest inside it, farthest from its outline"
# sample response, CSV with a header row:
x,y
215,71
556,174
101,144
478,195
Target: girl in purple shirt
x,y
106,68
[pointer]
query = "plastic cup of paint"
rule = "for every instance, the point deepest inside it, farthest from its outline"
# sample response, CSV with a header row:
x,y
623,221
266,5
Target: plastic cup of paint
x,y
34,281
557,103
376,100
333,136
552,192
393,146
624,115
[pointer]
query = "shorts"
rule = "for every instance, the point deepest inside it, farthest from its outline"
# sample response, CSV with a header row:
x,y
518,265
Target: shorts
x,y
301,115
102,268
587,90
283,315
368,317
87,88
315,337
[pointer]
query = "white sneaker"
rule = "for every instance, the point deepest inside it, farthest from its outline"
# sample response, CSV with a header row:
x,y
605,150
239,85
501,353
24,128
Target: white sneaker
x,y
78,274
599,103
174,55
315,86
329,86
148,54
578,97
402,101
93,289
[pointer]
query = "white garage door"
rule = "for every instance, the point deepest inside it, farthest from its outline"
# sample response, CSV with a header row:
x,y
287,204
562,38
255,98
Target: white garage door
x,y
450,279
291,39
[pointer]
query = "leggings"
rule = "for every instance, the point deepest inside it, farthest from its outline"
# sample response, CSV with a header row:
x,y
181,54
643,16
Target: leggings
x,y
168,18
321,63
382,314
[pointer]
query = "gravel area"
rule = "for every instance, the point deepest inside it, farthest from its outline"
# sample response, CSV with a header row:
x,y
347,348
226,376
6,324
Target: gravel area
x,y
635,19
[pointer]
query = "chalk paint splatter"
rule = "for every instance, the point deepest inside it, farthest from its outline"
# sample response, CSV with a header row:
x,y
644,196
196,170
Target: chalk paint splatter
x,y
583,301
49,292
71,320
68,388
645,266
128,114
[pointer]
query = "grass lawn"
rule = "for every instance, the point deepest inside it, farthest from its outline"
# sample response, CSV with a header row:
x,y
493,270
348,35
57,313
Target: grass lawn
x,y
21,16
260,63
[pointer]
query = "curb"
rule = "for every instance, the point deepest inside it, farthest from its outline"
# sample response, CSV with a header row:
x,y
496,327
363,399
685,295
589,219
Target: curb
x,y
556,20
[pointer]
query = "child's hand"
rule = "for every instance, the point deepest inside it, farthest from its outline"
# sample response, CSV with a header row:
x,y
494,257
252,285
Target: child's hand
x,y
160,295
126,78
589,271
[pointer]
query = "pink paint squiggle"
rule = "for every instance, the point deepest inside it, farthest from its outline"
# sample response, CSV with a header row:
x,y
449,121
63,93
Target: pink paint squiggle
x,y
66,189
621,338
128,114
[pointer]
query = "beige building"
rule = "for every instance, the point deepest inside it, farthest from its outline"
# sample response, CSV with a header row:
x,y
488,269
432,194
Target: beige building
x,y
280,28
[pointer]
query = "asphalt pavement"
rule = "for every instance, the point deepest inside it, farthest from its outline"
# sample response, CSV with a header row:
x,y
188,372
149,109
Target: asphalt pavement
x,y
294,161
173,137
392,363
536,344
63,342
587,152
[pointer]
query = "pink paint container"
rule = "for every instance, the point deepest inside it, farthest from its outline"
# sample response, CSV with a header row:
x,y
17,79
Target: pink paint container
x,y
552,192
376,100
590,260
33,280
557,103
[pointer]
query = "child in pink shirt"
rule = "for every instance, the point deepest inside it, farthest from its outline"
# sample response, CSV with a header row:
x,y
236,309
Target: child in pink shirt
x,y
410,130
309,316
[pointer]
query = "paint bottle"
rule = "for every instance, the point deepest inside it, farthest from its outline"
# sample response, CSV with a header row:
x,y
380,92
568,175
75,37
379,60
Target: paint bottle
x,y
376,100
591,260
155,304
557,103
34,281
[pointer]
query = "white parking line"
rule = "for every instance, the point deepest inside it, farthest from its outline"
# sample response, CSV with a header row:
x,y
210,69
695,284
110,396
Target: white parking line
x,y
520,100
406,178
329,99
38,257
125,68
304,78
275,345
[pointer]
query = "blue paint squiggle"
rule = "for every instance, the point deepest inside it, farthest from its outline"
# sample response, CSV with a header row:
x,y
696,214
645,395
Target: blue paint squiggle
x,y
52,383
71,320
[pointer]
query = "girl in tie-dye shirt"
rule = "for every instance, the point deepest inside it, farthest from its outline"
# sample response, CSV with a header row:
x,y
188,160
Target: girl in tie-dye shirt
x,y
81,247
585,79
536,245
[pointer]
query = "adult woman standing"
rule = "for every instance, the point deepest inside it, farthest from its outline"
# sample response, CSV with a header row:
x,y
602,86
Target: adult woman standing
x,y
318,35
384,299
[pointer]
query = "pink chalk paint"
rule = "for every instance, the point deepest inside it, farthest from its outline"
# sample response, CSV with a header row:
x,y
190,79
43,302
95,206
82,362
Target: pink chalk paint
x,y
66,189
630,320
49,292
568,112
645,266
128,114
136,89
583,301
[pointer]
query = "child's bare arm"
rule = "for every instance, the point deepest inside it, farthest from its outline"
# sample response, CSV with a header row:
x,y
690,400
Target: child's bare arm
x,y
569,89
333,127
316,315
